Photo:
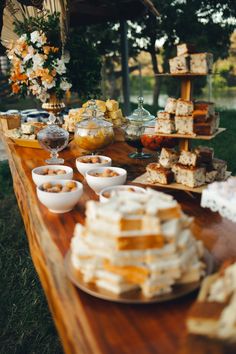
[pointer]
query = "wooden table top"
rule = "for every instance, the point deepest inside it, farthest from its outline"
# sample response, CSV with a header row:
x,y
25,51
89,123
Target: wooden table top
x,y
87,325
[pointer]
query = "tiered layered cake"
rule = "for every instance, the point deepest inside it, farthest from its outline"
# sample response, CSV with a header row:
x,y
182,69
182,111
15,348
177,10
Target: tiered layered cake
x,y
137,242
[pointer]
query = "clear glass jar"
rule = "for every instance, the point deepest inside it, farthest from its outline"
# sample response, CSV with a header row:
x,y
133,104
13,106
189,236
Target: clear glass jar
x,y
93,133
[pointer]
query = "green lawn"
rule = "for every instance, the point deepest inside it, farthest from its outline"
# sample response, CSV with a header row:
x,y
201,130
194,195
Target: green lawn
x,y
26,326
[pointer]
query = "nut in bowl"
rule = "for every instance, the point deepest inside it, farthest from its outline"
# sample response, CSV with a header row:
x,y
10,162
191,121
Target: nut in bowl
x,y
89,162
102,177
60,196
45,174
109,192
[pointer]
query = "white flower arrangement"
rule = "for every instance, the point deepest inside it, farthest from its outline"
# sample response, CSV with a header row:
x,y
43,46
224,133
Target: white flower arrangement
x,y
38,68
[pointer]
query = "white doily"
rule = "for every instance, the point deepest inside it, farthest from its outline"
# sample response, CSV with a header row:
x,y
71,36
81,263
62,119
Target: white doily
x,y
221,197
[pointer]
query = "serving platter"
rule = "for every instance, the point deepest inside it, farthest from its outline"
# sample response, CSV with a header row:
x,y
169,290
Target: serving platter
x,y
134,296
31,143
144,180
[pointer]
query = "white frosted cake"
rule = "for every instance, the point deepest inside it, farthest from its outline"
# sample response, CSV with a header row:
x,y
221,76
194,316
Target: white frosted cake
x,y
135,241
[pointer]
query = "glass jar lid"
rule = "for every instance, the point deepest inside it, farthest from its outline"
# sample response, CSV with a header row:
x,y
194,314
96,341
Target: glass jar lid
x,y
140,114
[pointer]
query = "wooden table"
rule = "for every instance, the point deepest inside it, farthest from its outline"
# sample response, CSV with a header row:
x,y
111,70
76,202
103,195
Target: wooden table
x,y
87,325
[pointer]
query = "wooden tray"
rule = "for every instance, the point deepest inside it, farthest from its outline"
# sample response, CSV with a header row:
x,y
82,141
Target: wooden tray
x,y
135,296
144,180
27,143
185,136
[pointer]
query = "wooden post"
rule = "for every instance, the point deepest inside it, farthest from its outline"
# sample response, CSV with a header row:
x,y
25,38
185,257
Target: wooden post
x,y
125,65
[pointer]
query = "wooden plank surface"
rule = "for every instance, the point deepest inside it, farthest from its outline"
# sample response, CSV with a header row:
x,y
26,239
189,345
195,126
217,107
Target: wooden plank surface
x,y
85,324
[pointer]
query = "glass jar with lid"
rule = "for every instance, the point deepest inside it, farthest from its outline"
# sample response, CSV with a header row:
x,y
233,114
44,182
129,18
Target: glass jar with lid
x,y
93,133
134,129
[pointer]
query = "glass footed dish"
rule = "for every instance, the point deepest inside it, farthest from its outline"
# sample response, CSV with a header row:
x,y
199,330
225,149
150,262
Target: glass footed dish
x,y
53,139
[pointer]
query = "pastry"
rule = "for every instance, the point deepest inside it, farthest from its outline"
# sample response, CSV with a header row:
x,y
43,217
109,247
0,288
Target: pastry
x,y
190,176
221,167
201,63
189,158
205,106
159,174
171,105
165,126
184,125
168,157
205,128
213,314
205,154
184,107
180,64
112,105
165,115
136,242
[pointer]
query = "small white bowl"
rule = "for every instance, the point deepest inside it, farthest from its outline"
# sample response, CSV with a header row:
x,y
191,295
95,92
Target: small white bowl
x,y
60,202
83,167
117,189
40,179
99,183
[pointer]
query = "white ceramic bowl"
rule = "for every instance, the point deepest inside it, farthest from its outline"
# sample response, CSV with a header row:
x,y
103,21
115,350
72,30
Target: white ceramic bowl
x,y
117,189
99,183
60,202
40,179
83,167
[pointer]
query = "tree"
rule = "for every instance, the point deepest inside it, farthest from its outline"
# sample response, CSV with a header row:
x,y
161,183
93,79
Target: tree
x,y
205,23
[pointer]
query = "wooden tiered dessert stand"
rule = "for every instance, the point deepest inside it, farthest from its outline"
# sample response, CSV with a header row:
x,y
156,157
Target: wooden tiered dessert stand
x,y
184,140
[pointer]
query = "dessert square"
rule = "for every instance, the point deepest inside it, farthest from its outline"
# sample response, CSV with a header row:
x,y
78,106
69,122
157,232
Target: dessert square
x,y
168,157
205,106
171,105
184,124
189,158
205,153
190,176
184,107
221,167
165,126
180,64
201,63
165,115
159,174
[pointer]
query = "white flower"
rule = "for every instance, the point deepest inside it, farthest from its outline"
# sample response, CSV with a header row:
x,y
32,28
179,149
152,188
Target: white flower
x,y
60,66
22,38
66,57
65,85
38,38
48,85
38,62
44,96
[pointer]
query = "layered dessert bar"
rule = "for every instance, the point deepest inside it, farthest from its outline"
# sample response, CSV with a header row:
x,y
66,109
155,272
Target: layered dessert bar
x,y
205,106
171,105
168,157
201,63
205,154
221,167
165,126
180,64
159,174
190,176
184,107
184,125
185,48
213,314
189,158
200,115
118,251
206,128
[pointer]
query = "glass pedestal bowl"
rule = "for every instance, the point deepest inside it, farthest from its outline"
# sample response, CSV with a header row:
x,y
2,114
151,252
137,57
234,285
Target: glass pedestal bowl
x,y
53,139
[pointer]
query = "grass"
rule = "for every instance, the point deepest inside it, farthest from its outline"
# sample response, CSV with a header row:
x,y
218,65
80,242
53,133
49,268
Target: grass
x,y
26,326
